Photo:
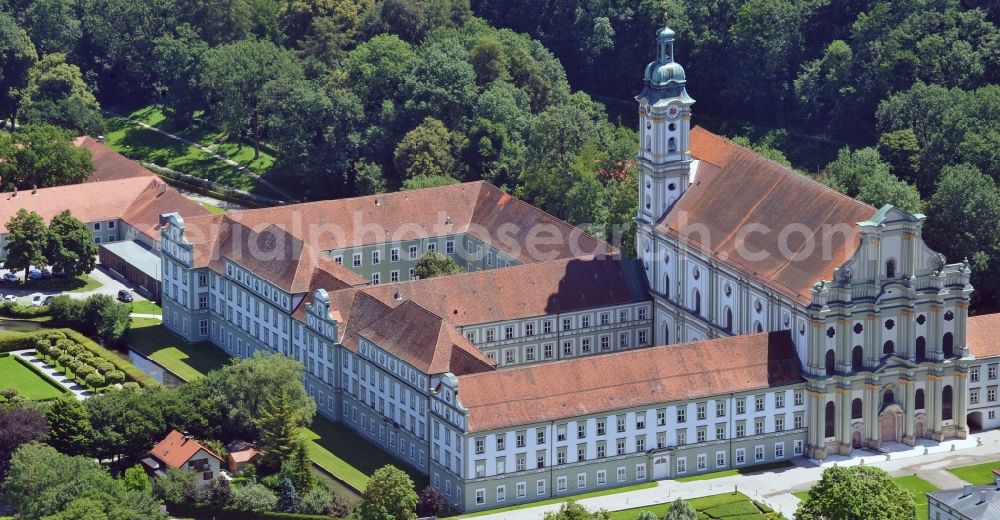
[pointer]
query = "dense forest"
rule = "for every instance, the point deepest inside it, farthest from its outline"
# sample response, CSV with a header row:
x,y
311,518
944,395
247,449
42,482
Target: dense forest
x,y
889,101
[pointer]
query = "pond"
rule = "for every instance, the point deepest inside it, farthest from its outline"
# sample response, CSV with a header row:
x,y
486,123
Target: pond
x,y
8,325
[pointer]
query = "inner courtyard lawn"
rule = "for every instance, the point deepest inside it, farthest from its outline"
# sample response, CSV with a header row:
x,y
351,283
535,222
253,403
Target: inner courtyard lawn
x,y
727,506
32,385
976,474
189,361
557,500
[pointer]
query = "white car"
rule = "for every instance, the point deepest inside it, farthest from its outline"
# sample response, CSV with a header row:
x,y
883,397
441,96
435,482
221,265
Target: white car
x,y
10,298
36,299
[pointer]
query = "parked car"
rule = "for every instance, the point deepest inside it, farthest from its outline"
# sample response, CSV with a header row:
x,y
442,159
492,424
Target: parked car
x,y
36,299
125,295
46,274
10,298
10,277
34,274
47,300
59,273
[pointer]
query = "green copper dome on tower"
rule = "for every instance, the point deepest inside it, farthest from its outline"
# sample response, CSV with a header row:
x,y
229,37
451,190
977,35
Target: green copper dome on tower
x,y
664,78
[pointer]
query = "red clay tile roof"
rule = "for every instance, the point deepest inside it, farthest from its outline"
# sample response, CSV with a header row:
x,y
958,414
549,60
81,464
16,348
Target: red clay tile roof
x,y
267,250
523,291
244,455
175,450
477,208
425,341
983,335
136,200
109,165
598,384
739,187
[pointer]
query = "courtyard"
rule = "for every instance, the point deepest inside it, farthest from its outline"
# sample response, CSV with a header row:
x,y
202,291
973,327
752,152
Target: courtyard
x,y
28,382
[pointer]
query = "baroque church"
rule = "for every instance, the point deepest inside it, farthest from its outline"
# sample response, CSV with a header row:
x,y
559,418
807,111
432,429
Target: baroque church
x,y
731,245
767,317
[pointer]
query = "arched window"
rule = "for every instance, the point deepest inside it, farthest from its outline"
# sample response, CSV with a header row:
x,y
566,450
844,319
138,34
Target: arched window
x,y
921,349
888,347
890,269
888,398
666,286
831,419
918,401
856,409
649,144
759,327
831,360
671,145
857,358
729,319
948,345
697,301
666,333
946,403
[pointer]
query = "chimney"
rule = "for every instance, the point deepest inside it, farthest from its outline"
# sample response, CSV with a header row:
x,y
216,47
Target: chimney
x,y
100,139
34,189
966,490
982,497
163,188
186,436
397,296
378,202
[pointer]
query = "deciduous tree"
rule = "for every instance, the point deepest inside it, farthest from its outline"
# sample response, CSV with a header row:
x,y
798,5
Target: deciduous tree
x,y
71,246
861,492
433,263
18,426
70,424
389,495
27,239
680,509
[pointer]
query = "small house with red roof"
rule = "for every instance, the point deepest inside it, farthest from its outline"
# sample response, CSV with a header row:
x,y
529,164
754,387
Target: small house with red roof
x,y
180,451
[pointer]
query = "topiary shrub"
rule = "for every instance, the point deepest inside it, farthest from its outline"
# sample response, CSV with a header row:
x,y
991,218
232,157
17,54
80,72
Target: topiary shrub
x,y
94,380
104,367
84,370
64,343
85,355
65,359
8,393
72,349
132,386
115,377
55,335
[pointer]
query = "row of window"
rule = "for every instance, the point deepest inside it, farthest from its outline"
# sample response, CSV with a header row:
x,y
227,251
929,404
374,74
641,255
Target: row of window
x,y
586,347
548,326
991,373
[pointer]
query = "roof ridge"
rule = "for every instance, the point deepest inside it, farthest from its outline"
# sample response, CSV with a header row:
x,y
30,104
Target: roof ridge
x,y
783,167
510,267
686,346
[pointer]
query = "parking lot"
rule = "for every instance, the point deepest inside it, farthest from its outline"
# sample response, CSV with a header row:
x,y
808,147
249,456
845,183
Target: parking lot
x,y
102,281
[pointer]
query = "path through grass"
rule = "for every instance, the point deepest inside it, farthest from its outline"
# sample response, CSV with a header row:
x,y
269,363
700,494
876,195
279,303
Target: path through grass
x,y
976,474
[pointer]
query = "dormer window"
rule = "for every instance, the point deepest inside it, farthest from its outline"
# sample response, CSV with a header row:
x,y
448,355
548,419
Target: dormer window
x,y
890,269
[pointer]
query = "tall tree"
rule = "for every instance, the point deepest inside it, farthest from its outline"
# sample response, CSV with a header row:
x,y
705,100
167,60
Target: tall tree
x,y
176,64
573,511
46,156
125,423
389,495
233,78
288,498
857,492
279,432
109,319
441,84
71,246
433,263
18,426
17,56
27,239
53,26
429,149
70,424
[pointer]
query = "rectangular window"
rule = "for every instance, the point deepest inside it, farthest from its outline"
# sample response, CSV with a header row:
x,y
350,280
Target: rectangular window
x,y
620,423
798,398
449,247
640,420
620,474
539,436
798,421
581,480
741,456
991,394
566,324
779,400
529,353
701,462
356,259
97,226
700,435
600,427
682,465
640,472
798,447
585,321
605,318
529,329
642,313
779,450
561,432
581,429
740,429
522,490
561,484
758,403
508,356
413,252
480,496
974,374
741,406
701,411
547,349
339,259
640,444
376,278
501,442
432,246
758,453
585,345
991,371
779,423
758,426
490,335
720,459
661,417
720,432
376,257
681,414
642,337
605,342
480,445
720,408
567,348
508,332
519,439
602,450
620,446
539,487
547,327
393,276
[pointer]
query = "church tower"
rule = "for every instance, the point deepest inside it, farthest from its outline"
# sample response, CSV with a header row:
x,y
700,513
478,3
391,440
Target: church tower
x,y
664,132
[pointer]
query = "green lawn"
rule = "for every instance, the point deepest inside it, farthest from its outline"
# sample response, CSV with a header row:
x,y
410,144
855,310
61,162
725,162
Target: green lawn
x,y
29,383
738,471
730,506
976,474
914,484
212,208
347,455
557,500
81,283
147,145
188,361
146,307
918,487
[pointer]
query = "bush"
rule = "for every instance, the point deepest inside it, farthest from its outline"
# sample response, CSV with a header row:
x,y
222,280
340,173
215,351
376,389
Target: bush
x,y
95,380
132,373
98,315
55,335
8,393
131,386
115,377
73,364
65,359
256,498
83,369
104,367
17,310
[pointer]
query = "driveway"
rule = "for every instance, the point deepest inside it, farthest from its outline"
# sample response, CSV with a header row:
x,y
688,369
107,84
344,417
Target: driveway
x,y
110,285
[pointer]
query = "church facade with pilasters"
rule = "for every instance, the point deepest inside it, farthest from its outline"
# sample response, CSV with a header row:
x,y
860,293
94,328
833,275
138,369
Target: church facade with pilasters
x,y
733,243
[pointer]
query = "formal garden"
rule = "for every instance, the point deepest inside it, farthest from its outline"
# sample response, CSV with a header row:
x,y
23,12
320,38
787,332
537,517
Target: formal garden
x,y
22,379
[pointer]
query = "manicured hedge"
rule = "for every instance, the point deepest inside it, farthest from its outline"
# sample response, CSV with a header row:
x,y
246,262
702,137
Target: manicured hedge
x,y
132,373
17,310
18,341
189,511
